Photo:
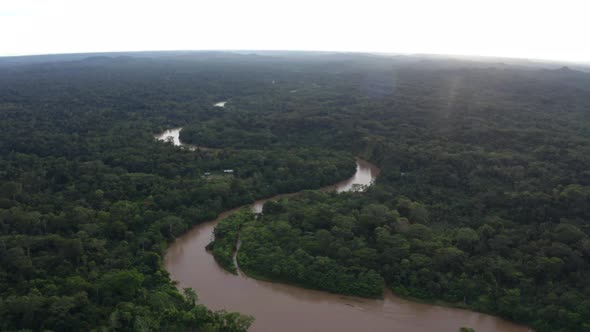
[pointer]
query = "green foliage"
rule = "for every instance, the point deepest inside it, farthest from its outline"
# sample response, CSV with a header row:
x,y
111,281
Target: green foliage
x,y
354,243
226,238
89,200
483,200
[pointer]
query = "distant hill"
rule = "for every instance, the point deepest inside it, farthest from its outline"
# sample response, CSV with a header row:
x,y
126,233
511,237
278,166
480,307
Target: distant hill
x,y
450,61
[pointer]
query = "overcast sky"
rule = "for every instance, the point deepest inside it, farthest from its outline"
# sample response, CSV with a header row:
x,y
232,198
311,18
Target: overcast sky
x,y
541,29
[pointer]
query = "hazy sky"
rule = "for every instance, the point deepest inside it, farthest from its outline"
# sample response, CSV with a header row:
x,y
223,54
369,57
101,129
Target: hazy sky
x,y
557,29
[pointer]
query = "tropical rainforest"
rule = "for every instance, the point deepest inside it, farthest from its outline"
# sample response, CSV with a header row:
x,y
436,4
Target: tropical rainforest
x,y
483,201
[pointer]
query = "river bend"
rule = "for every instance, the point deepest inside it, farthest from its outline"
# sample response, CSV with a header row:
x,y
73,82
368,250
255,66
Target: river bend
x,y
280,307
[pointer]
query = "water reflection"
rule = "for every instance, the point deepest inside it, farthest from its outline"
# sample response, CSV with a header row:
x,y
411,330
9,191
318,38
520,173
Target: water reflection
x,y
170,135
280,307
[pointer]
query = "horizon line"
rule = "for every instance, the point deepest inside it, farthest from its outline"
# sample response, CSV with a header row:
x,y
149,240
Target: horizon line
x,y
381,53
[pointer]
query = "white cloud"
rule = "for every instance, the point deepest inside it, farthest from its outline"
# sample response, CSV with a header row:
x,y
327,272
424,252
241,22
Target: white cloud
x,y
516,28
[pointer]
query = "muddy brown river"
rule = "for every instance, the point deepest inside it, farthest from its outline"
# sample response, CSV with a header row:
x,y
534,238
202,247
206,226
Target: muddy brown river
x,y
279,307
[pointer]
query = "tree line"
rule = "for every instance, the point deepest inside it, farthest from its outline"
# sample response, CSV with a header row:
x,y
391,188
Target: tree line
x,y
483,200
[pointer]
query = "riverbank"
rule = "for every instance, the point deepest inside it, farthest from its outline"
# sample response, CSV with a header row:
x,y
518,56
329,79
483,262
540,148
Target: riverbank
x,y
289,308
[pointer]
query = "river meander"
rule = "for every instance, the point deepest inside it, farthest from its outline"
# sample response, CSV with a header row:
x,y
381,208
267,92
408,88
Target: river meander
x,y
286,308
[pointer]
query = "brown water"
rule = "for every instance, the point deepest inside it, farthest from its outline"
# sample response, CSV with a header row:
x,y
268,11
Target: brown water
x,y
279,307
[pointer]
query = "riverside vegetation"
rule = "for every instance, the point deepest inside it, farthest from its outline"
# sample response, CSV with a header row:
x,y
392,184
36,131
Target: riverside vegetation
x,y
483,200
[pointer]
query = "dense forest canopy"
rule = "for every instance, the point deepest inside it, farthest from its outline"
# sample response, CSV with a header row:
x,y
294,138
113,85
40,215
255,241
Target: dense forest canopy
x,y
483,200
